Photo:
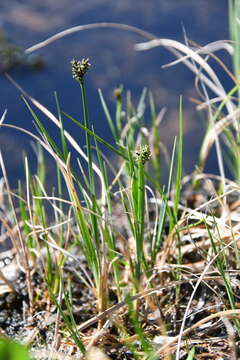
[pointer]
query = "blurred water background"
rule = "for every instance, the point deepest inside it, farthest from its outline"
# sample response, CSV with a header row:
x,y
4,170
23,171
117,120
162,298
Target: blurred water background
x,y
114,62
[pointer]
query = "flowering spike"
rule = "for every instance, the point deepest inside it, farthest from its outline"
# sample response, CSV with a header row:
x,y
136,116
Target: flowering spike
x,y
143,154
79,68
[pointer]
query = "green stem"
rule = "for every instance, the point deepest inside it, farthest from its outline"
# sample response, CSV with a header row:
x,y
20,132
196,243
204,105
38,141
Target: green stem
x,y
90,167
88,141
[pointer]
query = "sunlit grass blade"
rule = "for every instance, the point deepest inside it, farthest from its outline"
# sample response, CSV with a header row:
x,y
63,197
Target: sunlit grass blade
x,y
108,116
89,246
68,320
63,138
88,139
24,216
43,131
98,138
156,143
164,208
179,163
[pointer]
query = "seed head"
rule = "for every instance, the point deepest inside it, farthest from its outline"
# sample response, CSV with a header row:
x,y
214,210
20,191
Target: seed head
x,y
118,93
143,154
79,68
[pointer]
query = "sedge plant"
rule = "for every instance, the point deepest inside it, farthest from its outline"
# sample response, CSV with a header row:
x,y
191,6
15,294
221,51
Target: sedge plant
x,y
124,259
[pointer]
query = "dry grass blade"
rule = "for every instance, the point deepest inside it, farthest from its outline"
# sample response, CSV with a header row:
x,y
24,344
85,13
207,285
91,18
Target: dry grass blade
x,y
110,312
217,129
177,49
181,333
53,245
196,214
178,338
211,120
193,55
23,249
206,49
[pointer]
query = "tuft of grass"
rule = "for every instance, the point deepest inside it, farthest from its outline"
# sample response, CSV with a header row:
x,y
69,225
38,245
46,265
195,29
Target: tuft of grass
x,y
119,259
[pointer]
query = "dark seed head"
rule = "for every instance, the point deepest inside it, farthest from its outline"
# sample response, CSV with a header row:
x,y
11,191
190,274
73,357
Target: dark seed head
x,y
79,68
143,154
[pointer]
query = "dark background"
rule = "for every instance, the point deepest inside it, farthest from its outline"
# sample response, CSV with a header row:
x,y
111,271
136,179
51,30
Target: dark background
x,y
114,62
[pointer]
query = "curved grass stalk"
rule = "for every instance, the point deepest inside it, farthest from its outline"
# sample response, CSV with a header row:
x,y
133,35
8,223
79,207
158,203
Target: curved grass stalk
x,y
78,28
177,49
217,128
212,119
193,55
209,49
